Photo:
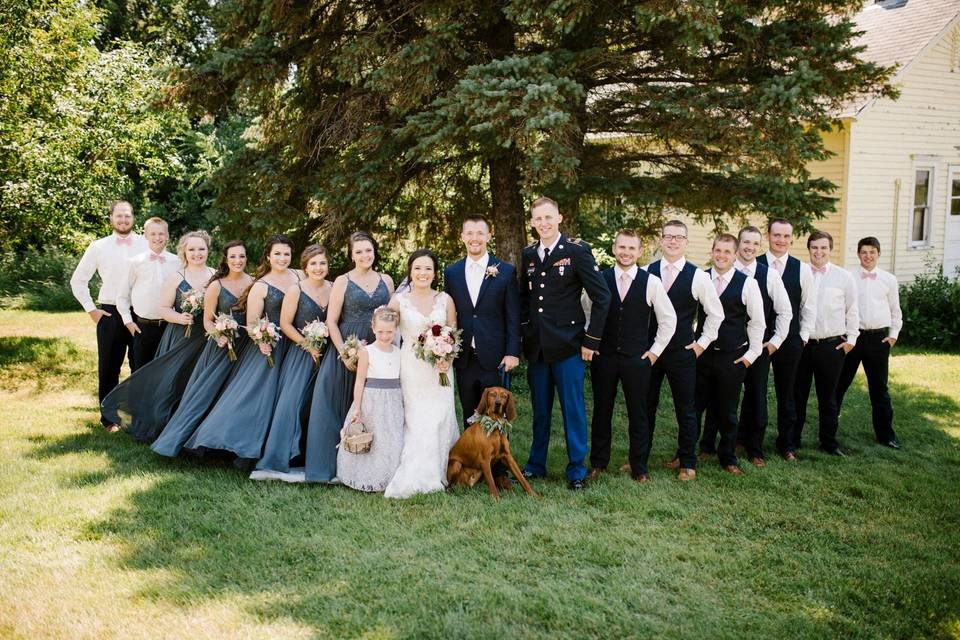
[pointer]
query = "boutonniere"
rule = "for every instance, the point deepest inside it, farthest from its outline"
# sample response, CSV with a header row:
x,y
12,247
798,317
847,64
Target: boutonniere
x,y
492,271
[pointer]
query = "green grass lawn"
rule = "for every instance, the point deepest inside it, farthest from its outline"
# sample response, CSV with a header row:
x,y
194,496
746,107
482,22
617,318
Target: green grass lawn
x,y
101,538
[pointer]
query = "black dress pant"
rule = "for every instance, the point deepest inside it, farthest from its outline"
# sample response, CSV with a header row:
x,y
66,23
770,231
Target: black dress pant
x,y
679,366
719,380
606,371
113,345
752,425
820,364
784,363
874,353
146,342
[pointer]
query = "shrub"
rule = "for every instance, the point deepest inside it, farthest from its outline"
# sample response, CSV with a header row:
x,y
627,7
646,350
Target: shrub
x,y
931,311
39,280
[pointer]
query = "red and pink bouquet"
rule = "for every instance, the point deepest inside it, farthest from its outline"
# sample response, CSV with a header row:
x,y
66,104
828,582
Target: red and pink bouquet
x,y
225,326
265,333
438,343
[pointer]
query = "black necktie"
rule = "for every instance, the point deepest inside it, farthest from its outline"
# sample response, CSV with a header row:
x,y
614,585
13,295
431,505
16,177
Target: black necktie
x,y
546,253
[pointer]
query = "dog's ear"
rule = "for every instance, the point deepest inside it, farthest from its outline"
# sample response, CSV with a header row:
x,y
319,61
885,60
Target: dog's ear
x,y
511,407
484,403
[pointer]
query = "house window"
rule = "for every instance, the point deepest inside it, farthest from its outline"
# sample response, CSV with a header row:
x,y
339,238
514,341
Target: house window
x,y
920,216
955,193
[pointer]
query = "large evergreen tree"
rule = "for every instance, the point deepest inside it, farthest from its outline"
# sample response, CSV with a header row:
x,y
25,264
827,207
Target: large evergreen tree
x,y
402,116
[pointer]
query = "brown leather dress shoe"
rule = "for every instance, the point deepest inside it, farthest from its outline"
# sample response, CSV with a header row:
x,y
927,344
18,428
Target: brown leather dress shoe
x,y
625,467
686,475
789,456
594,473
759,463
672,464
642,478
112,428
733,469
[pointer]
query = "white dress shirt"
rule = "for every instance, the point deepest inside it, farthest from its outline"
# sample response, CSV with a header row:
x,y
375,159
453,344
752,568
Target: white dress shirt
x,y
879,299
778,295
107,257
474,272
704,293
656,297
837,311
752,299
553,246
141,283
808,296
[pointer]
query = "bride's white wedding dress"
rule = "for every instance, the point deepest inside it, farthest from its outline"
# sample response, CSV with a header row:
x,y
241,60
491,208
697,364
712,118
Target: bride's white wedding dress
x,y
430,428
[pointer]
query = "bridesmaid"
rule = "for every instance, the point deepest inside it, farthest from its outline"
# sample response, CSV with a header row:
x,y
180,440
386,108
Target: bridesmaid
x,y
239,420
214,366
150,395
352,300
303,303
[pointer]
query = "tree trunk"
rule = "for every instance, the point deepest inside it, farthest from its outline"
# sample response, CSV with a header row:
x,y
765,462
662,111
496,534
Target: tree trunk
x,y
507,211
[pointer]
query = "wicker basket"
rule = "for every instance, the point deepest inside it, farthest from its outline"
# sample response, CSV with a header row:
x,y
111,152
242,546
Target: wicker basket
x,y
356,438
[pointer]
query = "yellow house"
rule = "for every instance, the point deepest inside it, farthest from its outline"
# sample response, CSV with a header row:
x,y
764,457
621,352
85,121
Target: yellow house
x,y
897,163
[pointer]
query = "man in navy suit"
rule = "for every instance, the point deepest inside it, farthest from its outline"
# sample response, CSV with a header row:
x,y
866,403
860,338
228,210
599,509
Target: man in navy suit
x,y
485,294
554,272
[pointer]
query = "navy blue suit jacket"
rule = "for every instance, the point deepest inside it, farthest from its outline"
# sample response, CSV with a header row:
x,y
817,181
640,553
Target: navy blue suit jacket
x,y
494,323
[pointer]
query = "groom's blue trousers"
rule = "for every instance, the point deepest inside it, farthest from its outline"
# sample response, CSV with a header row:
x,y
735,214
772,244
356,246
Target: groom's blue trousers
x,y
566,379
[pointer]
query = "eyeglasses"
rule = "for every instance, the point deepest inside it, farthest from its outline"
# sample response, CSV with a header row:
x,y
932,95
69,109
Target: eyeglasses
x,y
670,237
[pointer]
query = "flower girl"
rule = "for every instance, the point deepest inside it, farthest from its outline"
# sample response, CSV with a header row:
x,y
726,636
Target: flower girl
x,y
378,405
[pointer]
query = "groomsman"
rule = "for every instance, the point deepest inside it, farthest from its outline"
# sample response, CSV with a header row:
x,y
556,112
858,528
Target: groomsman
x,y
485,294
140,289
627,354
688,288
878,298
554,272
777,314
798,281
723,366
833,336
108,257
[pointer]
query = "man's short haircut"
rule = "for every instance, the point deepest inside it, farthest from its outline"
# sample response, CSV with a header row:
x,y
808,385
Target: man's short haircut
x,y
819,235
726,237
869,241
116,203
155,220
749,229
628,232
778,221
674,223
475,217
542,200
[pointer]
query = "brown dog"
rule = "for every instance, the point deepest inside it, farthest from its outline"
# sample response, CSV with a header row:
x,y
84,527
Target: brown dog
x,y
476,450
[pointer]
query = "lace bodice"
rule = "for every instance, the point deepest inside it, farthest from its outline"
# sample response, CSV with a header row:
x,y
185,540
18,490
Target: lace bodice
x,y
413,322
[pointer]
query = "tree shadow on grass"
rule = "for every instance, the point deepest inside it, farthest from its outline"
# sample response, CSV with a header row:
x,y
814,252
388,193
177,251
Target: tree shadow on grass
x,y
862,547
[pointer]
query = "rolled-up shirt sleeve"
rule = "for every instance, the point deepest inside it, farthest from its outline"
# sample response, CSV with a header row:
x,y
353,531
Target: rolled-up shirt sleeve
x,y
756,324
666,315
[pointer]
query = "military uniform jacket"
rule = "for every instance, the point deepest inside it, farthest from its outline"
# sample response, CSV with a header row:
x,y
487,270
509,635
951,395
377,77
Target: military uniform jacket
x,y
551,316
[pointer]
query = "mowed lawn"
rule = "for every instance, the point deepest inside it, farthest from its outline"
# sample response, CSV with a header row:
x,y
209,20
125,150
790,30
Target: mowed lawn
x,y
100,538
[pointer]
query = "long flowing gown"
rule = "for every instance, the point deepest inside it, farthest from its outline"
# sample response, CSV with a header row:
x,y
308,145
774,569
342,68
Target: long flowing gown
x,y
296,388
239,421
431,427
144,402
333,390
211,371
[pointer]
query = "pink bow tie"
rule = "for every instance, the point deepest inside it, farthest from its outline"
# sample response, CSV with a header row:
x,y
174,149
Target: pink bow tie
x,y
868,276
154,257
124,241
820,270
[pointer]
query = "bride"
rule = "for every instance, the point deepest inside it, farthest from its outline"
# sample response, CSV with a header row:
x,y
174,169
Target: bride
x,y
430,428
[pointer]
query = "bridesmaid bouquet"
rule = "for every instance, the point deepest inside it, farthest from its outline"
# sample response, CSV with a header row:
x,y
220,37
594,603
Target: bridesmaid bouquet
x,y
438,343
192,304
224,326
315,335
265,332
351,351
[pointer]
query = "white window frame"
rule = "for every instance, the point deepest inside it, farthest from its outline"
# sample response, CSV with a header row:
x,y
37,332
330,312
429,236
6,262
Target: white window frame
x,y
927,223
953,171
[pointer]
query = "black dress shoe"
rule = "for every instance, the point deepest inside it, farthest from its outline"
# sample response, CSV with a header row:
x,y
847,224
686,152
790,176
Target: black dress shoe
x,y
577,485
531,475
893,444
834,452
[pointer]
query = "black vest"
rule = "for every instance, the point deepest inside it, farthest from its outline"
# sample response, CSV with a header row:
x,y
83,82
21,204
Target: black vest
x,y
685,305
733,330
626,330
791,281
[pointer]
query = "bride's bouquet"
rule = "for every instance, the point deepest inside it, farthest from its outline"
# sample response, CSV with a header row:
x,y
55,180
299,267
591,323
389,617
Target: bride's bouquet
x,y
315,334
265,332
192,304
438,343
224,326
351,351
